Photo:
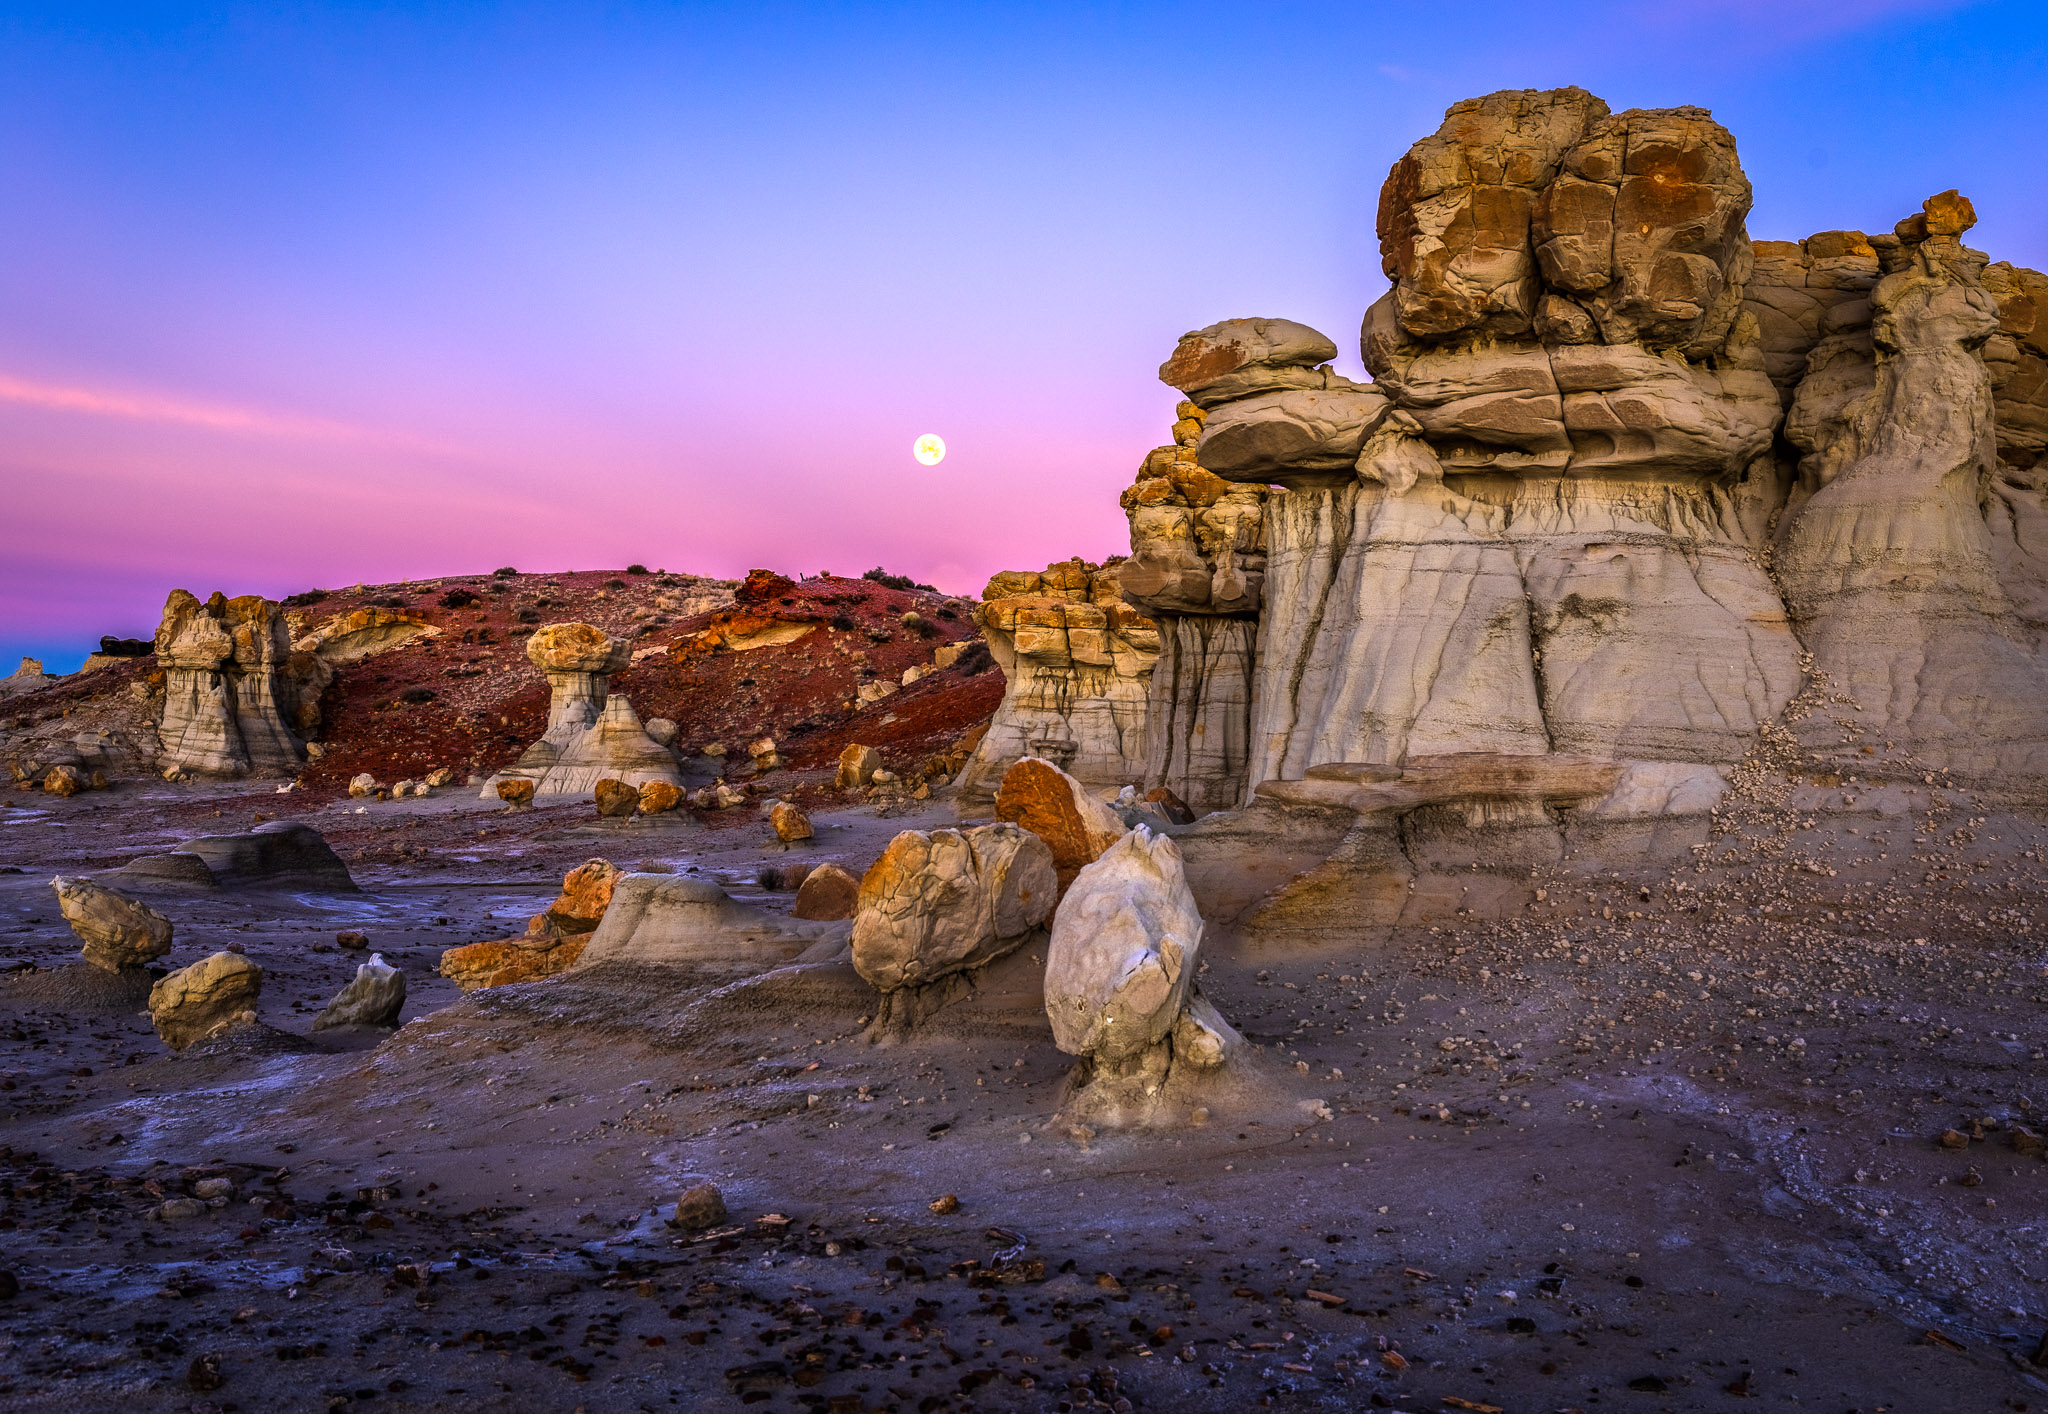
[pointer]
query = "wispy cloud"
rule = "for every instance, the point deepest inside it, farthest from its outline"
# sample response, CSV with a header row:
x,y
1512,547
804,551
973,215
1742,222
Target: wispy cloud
x,y
239,421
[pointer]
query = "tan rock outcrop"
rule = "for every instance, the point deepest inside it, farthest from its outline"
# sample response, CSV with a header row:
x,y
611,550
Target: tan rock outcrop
x,y
790,822
1078,662
944,902
117,931
592,733
361,633
194,1002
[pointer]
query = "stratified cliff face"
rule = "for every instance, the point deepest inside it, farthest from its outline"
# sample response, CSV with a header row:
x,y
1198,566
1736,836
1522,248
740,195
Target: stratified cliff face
x,y
1078,660
1618,471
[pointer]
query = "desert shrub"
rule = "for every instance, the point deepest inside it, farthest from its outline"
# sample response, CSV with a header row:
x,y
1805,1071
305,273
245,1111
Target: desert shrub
x,y
389,601
529,616
896,581
458,599
975,660
636,569
921,626
417,695
615,583
845,623
300,601
505,573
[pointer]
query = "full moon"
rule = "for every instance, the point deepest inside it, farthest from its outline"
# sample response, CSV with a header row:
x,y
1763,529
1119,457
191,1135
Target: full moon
x,y
929,449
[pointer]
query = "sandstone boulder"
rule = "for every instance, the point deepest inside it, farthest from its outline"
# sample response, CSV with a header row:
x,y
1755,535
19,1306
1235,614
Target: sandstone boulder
x,y
1244,357
375,997
615,798
827,893
577,648
1120,988
659,797
531,958
940,903
1045,800
362,786
117,931
1121,964
193,1002
790,822
515,793
701,1206
857,766
586,894
64,781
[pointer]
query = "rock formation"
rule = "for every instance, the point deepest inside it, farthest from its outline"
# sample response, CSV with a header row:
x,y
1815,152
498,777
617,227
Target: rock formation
x,y
1078,660
117,931
949,901
236,696
374,997
542,952
1198,558
1565,520
672,921
827,893
1120,986
196,1001
591,734
280,854
586,895
1045,800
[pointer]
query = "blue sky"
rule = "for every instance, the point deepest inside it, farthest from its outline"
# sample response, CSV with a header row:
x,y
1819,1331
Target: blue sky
x,y
311,295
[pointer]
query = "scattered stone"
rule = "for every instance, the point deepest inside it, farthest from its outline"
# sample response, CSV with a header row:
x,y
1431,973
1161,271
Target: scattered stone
x,y
946,1205
857,766
117,931
515,793
374,998
762,750
616,799
1954,1139
701,1206
659,797
441,776
2027,1142
1170,805
363,786
827,893
195,1001
63,781
790,822
661,730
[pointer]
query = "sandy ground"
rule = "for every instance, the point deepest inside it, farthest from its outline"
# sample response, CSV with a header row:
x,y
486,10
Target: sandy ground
x,y
1617,1137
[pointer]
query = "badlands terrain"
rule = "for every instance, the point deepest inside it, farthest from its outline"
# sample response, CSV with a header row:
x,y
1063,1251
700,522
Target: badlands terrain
x,y
1521,893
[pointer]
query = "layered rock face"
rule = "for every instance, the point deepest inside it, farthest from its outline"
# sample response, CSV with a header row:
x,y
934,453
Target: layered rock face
x,y
1549,523
592,734
236,695
1886,555
1079,662
1198,552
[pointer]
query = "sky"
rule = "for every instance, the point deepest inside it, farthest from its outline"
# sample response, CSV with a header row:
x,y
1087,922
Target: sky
x,y
298,296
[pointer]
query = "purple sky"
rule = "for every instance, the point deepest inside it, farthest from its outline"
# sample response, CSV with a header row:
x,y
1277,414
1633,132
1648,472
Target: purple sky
x,y
376,292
